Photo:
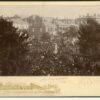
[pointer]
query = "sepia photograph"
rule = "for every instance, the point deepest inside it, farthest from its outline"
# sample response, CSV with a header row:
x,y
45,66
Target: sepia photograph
x,y
49,40
49,48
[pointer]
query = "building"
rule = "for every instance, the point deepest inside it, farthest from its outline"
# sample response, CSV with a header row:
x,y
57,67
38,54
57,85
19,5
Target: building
x,y
50,28
65,24
82,19
37,26
19,23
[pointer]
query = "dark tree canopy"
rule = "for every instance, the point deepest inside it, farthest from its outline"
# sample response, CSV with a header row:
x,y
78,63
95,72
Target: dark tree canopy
x,y
89,36
13,49
89,41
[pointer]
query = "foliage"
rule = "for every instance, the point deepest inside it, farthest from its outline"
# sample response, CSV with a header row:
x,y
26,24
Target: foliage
x,y
77,50
13,49
89,40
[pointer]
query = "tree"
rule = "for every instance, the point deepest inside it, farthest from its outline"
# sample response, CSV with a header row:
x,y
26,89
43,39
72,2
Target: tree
x,y
89,40
67,51
13,50
42,50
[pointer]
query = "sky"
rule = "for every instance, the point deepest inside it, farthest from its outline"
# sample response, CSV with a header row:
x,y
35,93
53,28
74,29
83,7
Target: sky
x,y
59,11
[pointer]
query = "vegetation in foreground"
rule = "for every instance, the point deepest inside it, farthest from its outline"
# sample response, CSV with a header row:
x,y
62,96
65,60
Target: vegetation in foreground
x,y
50,55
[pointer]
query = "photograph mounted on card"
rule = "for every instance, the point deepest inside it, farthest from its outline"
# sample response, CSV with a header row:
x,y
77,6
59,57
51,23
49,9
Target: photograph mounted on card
x,y
49,48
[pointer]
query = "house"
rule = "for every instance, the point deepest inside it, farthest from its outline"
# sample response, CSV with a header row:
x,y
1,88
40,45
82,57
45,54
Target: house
x,y
37,27
50,28
82,19
19,23
62,26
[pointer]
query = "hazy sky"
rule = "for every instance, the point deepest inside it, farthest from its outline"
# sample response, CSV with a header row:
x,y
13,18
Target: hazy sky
x,y
60,11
